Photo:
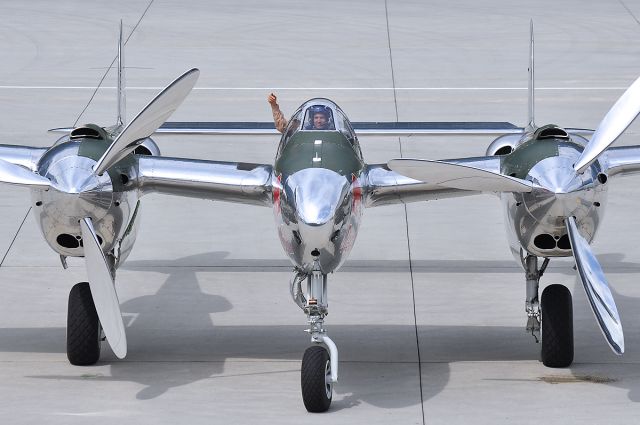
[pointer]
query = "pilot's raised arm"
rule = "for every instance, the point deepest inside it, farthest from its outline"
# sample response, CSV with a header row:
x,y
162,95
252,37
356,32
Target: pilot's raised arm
x,y
278,118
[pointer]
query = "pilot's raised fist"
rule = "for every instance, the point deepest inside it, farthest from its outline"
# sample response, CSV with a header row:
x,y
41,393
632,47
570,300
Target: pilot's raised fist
x,y
272,99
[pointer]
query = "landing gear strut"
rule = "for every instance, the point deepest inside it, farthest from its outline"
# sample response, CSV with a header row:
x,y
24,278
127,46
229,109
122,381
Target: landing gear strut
x,y
532,304
319,365
549,321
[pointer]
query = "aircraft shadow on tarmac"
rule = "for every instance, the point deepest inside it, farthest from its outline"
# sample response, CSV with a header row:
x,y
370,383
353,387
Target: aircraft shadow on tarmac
x,y
172,347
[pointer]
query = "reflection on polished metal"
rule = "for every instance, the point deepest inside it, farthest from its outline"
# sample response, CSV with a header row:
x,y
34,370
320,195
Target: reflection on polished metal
x,y
148,120
216,180
460,176
532,302
101,281
597,288
17,175
558,216
619,117
82,213
316,308
86,192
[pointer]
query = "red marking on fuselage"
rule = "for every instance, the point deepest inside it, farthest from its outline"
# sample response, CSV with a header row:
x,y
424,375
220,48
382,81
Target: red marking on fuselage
x,y
356,190
277,190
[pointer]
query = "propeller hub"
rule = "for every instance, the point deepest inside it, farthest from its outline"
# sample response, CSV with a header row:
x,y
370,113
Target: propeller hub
x,y
562,192
76,192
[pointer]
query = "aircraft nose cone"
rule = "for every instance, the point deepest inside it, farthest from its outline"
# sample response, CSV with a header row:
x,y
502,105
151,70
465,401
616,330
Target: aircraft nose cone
x,y
318,196
318,193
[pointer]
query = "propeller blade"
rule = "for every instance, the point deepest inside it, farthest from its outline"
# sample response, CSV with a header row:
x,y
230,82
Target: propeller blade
x,y
148,120
14,174
597,289
458,176
619,117
103,290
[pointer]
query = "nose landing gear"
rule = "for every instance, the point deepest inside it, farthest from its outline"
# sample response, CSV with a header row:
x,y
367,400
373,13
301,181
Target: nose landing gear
x,y
320,362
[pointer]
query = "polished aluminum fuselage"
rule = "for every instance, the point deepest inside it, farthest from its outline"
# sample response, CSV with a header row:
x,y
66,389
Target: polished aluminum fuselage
x,y
317,213
535,221
317,198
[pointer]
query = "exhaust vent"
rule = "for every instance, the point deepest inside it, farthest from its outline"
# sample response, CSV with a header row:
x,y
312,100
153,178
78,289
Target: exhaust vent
x,y
564,242
544,241
65,240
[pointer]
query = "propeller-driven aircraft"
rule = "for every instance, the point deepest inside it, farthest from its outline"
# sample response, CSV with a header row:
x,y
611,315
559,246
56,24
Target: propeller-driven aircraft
x,y
553,187
86,192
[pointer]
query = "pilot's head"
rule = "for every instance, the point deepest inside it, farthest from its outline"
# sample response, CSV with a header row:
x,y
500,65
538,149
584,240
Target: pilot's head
x,y
319,117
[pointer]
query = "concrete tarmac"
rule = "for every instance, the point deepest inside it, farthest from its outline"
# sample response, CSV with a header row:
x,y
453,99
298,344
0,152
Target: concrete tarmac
x,y
428,313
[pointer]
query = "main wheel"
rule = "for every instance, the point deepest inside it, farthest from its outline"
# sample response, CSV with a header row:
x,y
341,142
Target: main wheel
x,y
557,326
317,388
83,327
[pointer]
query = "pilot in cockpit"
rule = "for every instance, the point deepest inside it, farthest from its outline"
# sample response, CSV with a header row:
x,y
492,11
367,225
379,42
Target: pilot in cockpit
x,y
319,117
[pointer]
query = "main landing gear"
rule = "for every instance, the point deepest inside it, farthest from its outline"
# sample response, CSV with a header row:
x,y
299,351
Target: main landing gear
x,y
550,320
84,333
320,362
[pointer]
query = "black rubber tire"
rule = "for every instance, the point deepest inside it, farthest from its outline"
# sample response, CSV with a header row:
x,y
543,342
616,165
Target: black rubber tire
x,y
314,394
557,326
83,327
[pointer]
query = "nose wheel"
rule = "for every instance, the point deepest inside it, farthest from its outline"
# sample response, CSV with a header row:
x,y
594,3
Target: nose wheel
x,y
557,326
316,384
319,370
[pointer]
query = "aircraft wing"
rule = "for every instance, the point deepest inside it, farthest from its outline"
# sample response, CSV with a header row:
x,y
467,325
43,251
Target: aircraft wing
x,y
385,187
623,160
236,182
361,128
364,128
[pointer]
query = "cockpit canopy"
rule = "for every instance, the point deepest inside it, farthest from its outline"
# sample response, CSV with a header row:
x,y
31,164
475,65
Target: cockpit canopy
x,y
320,114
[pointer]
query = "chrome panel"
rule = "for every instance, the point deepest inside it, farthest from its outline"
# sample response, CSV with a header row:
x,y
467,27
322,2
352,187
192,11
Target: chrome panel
x,y
319,210
219,181
597,288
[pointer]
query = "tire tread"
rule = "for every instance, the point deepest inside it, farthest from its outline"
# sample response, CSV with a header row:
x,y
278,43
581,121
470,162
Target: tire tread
x,y
83,327
557,326
313,379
